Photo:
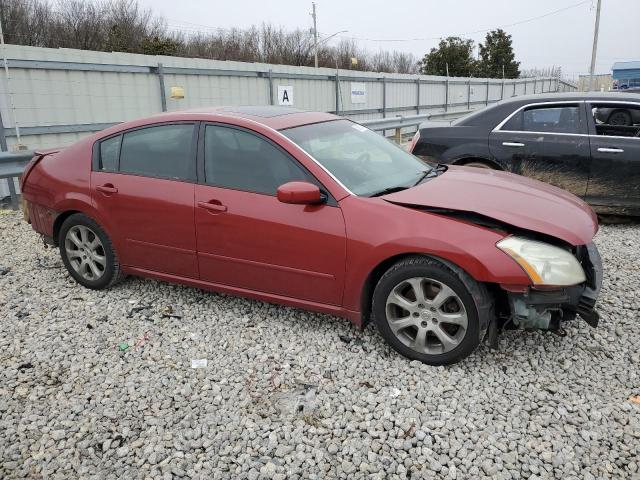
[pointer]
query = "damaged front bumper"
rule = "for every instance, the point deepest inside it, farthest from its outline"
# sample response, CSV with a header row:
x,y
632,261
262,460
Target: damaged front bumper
x,y
547,309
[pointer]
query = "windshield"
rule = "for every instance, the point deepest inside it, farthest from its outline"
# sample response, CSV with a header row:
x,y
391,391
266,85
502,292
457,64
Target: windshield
x,y
365,162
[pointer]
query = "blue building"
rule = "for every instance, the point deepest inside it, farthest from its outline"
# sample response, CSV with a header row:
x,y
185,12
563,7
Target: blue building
x,y
626,74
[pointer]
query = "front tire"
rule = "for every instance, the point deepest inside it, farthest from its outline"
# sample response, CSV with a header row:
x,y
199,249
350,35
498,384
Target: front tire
x,y
426,312
88,253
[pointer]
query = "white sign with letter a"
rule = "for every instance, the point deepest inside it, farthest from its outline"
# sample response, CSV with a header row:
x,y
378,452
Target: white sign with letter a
x,y
285,95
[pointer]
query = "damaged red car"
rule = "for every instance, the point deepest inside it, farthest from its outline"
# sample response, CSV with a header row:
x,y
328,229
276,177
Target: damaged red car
x,y
315,211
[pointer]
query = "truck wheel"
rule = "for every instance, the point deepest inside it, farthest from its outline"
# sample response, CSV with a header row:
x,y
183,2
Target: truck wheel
x,y
620,117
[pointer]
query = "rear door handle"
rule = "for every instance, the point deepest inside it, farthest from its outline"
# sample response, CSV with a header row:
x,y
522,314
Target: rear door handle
x,y
513,144
610,150
107,188
214,206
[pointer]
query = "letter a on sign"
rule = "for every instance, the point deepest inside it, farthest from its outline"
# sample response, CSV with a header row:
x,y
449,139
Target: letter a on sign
x,y
285,95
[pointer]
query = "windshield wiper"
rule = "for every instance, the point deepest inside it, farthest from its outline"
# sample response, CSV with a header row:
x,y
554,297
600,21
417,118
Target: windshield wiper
x,y
387,190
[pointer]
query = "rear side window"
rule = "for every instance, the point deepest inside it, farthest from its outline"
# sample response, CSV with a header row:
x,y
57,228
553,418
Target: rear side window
x,y
163,151
617,120
241,160
109,152
553,119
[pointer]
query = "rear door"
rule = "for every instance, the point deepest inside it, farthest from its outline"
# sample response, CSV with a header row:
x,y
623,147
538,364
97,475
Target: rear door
x,y
548,142
614,185
247,238
143,183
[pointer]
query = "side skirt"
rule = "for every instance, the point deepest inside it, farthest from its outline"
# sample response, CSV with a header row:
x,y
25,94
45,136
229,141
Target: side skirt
x,y
354,317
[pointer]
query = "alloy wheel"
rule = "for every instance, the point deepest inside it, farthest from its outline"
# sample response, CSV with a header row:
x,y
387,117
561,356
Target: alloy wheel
x,y
85,252
426,315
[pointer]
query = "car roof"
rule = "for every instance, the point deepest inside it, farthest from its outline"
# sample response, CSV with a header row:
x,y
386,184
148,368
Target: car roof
x,y
572,96
275,117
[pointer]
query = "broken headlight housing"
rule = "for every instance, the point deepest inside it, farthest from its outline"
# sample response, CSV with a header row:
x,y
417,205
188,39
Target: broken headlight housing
x,y
545,264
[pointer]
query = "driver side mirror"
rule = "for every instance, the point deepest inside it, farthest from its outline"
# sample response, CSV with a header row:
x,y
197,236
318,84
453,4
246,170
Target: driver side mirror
x,y
300,193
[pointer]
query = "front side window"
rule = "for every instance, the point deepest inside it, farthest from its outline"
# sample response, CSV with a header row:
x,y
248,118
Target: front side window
x,y
241,160
163,151
619,120
365,162
552,119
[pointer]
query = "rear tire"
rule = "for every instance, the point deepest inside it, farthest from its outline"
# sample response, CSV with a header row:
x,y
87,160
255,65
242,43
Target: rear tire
x,y
426,312
88,253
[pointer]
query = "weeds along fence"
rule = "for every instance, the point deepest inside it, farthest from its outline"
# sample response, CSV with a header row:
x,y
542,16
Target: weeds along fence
x,y
53,97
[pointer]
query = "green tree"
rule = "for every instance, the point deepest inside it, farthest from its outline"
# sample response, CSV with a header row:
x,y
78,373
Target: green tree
x,y
454,52
496,53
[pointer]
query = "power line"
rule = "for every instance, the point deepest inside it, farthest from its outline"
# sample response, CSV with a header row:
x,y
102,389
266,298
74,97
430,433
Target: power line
x,y
508,25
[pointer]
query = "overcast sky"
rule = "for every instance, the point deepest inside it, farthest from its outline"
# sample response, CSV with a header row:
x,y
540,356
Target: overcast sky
x,y
562,38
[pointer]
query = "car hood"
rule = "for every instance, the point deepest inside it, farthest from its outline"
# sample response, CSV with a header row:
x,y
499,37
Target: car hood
x,y
508,198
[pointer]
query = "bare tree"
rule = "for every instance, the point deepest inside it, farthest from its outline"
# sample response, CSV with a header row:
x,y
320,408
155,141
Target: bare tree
x,y
123,26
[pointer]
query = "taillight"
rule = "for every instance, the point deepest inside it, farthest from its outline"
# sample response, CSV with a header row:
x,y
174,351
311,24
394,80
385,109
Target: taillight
x,y
414,140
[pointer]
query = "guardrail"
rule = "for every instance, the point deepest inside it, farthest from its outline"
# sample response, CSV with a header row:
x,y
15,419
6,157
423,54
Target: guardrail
x,y
399,122
11,166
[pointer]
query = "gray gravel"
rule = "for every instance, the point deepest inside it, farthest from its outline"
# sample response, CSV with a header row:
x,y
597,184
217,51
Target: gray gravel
x,y
291,394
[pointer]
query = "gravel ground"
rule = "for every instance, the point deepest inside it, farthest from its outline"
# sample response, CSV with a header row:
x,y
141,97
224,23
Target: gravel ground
x,y
291,394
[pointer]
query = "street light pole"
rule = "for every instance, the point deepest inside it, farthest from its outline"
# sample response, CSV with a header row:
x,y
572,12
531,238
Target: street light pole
x,y
595,47
315,35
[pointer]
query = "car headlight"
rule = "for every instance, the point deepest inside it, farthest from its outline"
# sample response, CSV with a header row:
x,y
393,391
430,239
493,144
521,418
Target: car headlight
x,y
545,264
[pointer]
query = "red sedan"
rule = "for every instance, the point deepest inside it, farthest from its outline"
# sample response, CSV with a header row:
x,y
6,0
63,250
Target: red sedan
x,y
318,212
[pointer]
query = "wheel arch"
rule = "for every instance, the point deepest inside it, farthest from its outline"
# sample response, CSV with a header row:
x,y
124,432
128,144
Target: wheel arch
x,y
488,161
366,297
479,290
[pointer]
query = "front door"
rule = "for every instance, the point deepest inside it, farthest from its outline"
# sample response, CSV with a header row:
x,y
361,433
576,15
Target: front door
x,y
144,183
614,186
547,142
247,238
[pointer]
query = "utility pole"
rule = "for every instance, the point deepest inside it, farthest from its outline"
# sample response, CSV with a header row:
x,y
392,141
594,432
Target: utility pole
x,y
595,47
315,35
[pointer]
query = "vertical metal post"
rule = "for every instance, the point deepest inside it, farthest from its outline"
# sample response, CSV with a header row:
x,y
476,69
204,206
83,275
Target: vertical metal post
x,y
12,193
270,77
502,90
535,85
3,137
487,99
417,96
446,95
384,98
163,93
337,92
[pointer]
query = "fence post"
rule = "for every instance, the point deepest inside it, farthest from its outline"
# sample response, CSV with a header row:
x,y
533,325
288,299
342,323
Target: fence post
x,y
163,94
502,90
487,99
417,96
270,79
535,84
337,92
469,94
3,138
384,98
446,95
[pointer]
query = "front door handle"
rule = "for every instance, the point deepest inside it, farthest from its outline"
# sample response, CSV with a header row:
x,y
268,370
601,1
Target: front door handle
x,y
107,189
513,144
214,206
610,150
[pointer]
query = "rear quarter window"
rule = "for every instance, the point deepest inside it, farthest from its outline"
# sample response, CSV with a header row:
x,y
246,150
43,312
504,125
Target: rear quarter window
x,y
109,153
